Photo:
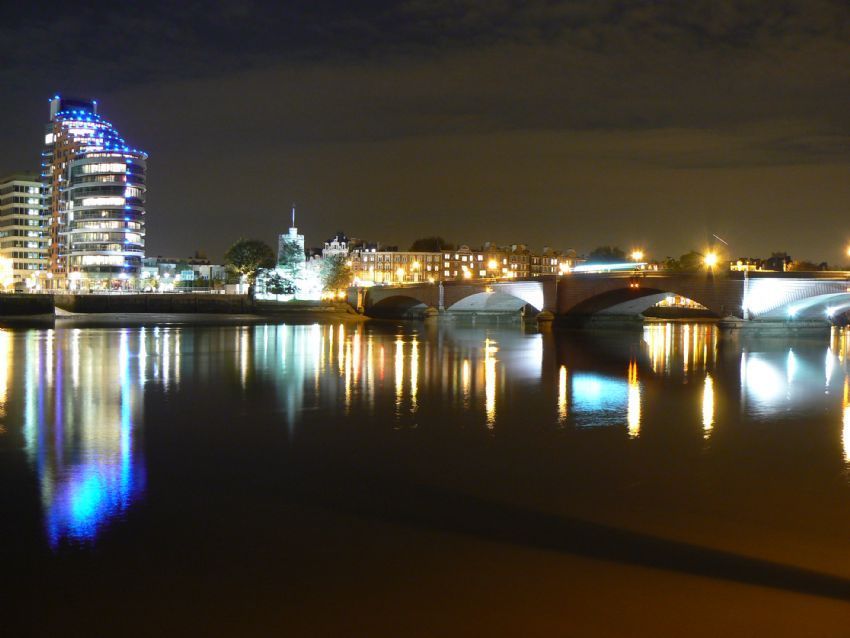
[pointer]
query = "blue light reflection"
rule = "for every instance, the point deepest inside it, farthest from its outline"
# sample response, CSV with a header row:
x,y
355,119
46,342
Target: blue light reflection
x,y
599,400
79,436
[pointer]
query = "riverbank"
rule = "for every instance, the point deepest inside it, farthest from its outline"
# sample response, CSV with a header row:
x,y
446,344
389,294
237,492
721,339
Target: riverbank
x,y
41,310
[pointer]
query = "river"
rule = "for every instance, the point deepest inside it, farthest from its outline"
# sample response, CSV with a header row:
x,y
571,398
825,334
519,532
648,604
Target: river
x,y
423,479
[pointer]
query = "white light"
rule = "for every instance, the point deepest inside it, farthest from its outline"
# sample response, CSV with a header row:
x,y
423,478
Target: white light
x,y
103,201
603,267
761,379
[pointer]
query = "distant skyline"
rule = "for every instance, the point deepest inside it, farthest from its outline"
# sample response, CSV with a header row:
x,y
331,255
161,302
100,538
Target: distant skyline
x,y
639,124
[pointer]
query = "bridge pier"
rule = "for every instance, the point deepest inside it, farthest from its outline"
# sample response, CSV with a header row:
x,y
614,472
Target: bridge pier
x,y
545,318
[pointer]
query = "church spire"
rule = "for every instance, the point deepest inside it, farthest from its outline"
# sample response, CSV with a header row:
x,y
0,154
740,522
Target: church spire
x,y
293,215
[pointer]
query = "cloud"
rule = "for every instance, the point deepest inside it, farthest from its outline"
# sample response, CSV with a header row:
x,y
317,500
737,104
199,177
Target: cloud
x,y
403,115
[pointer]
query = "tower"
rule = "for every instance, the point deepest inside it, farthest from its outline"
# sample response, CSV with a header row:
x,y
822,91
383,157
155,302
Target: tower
x,y
95,191
287,243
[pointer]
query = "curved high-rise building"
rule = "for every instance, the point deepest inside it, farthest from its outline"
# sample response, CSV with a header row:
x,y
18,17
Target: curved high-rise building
x,y
95,185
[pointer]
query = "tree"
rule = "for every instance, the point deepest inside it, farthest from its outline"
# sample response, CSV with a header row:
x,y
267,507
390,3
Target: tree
x,y
606,255
806,266
290,254
247,257
336,273
430,245
670,263
277,285
691,261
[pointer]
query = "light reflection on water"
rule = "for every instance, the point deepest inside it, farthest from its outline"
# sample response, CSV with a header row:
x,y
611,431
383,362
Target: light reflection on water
x,y
845,432
78,412
708,405
75,397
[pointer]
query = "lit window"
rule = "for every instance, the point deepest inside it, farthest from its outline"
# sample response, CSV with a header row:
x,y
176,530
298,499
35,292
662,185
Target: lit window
x,y
103,201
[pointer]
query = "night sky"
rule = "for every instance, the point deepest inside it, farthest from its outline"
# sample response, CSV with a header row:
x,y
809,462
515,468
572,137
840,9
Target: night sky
x,y
574,124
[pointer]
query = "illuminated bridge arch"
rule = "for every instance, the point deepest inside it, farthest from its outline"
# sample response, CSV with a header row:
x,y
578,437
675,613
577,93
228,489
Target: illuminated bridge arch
x,y
495,301
500,296
823,306
796,298
636,300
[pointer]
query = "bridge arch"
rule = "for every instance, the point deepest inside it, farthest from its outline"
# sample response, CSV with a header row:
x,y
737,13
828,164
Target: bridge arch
x,y
628,300
493,301
397,306
822,306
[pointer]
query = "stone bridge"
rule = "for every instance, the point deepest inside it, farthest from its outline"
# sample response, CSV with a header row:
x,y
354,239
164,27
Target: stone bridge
x,y
768,296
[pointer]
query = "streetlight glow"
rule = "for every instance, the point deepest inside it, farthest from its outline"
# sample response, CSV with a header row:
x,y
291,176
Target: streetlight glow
x,y
637,255
711,260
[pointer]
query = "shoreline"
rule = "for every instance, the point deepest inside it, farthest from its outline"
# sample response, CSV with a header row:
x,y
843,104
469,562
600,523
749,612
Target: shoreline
x,y
129,319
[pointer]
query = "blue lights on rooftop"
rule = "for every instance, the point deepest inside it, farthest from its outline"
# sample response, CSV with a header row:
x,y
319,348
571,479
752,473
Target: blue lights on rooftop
x,y
103,131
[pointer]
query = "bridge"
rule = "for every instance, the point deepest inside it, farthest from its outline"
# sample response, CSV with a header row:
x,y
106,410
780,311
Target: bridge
x,y
765,296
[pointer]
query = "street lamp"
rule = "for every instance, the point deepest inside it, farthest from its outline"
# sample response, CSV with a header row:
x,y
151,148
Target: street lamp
x,y
711,260
637,255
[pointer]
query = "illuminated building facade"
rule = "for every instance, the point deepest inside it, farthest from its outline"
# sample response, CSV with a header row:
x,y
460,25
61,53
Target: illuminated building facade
x,y
465,263
95,192
23,232
393,266
550,262
507,262
336,245
374,266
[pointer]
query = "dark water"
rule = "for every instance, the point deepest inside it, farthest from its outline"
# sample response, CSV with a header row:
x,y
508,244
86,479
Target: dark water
x,y
387,479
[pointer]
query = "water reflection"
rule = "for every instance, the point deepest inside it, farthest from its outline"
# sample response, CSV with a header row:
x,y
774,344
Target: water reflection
x,y
708,405
598,399
562,394
76,396
845,420
634,400
774,380
79,436
5,364
490,350
693,347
